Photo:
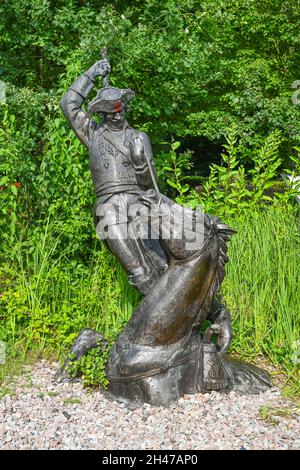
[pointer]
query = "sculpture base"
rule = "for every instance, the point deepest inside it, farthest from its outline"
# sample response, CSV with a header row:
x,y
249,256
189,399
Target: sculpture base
x,y
195,367
201,370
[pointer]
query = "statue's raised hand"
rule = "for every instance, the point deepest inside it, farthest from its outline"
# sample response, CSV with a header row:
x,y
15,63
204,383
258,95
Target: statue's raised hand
x,y
99,69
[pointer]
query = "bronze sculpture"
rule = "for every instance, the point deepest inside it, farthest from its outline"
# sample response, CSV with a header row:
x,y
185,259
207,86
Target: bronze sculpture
x,y
174,255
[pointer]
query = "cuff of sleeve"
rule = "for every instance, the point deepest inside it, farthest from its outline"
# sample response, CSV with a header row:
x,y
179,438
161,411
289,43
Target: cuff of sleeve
x,y
83,85
141,168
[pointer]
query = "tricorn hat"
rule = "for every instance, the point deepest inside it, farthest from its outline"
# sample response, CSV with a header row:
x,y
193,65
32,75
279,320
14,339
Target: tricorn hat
x,y
110,100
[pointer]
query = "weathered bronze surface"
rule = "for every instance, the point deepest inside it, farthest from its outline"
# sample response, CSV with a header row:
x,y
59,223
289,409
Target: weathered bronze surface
x,y
174,255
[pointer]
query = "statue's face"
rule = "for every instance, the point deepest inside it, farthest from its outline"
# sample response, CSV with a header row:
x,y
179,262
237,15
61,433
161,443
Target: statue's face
x,y
114,120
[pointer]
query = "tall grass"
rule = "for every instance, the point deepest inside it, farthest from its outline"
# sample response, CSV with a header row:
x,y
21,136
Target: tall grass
x,y
48,295
262,284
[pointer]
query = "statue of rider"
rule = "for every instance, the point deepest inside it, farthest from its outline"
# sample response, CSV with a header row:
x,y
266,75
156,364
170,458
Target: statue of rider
x,y
120,172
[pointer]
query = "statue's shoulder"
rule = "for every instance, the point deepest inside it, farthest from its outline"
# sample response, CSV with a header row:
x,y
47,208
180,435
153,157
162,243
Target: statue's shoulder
x,y
136,133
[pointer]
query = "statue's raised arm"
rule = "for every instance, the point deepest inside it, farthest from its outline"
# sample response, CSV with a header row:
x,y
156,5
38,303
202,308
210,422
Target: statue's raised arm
x,y
72,101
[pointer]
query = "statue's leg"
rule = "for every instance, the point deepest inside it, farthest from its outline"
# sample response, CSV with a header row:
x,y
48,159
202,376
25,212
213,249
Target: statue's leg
x,y
142,266
129,252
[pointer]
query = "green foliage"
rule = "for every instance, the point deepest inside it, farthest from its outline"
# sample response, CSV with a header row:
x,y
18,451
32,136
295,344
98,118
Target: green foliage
x,y
231,189
265,169
10,149
91,368
261,286
65,186
197,67
47,295
173,170
296,161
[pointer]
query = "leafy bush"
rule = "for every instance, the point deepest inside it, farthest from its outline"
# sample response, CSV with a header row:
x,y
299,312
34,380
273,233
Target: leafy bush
x,y
174,171
91,368
231,189
197,68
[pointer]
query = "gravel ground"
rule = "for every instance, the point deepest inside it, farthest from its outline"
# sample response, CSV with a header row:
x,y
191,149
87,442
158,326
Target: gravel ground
x,y
39,414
